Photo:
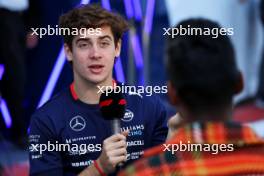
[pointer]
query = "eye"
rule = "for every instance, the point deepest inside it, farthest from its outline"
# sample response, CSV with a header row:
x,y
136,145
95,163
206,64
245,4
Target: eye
x,y
83,45
104,44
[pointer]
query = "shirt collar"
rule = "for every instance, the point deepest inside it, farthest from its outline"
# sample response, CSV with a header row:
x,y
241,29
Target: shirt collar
x,y
74,94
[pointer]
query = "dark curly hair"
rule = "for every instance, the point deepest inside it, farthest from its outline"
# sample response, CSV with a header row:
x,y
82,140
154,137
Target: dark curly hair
x,y
92,16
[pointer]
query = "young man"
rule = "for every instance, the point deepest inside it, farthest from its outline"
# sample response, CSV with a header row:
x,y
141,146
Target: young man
x,y
73,116
203,78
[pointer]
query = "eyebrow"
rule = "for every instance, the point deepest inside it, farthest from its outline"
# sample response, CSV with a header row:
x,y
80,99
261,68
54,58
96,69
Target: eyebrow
x,y
105,37
82,39
88,39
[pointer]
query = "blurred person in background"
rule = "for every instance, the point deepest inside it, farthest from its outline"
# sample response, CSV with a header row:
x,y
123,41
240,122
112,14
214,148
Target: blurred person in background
x,y
203,78
250,110
260,93
16,18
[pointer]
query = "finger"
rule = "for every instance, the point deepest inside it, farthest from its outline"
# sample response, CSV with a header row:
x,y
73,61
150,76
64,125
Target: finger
x,y
117,152
115,138
116,145
125,133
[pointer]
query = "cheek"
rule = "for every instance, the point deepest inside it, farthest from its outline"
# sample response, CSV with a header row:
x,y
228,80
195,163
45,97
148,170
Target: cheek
x,y
109,56
110,63
79,61
80,56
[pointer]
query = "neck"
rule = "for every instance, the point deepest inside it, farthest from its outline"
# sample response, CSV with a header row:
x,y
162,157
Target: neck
x,y
88,92
222,114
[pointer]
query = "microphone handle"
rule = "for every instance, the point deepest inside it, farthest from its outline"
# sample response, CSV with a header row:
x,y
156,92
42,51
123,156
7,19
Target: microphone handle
x,y
116,126
115,130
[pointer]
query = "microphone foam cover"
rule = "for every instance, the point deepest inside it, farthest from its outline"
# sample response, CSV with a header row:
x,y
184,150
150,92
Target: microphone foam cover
x,y
112,105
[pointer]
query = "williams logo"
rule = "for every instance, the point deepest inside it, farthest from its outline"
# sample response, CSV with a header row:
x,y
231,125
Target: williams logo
x,y
128,116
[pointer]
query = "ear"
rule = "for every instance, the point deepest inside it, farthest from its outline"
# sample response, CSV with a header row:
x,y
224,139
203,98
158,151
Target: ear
x,y
68,52
172,93
118,48
240,84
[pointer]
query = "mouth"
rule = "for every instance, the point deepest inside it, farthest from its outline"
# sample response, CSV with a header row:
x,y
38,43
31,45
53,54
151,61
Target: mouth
x,y
96,68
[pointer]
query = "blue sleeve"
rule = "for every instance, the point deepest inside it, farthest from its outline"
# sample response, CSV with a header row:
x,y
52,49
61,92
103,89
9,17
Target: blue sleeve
x,y
44,163
160,128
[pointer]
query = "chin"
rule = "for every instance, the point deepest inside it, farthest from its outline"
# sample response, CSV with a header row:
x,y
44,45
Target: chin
x,y
97,79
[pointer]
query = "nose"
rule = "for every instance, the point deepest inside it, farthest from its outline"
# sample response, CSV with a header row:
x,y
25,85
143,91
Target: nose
x,y
95,52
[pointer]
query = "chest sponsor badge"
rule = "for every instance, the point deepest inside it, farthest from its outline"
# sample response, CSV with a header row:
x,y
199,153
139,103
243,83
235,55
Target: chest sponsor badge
x,y
77,123
128,116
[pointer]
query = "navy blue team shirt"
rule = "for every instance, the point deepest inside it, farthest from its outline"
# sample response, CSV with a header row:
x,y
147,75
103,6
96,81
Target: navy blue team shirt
x,y
80,127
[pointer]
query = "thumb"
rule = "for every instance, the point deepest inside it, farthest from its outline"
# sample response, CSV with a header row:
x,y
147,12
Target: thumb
x,y
125,133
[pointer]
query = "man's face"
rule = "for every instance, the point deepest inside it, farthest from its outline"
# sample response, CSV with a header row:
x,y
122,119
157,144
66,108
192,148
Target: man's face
x,y
93,56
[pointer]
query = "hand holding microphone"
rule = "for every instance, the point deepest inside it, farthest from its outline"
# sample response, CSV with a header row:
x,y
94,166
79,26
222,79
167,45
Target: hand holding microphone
x,y
114,152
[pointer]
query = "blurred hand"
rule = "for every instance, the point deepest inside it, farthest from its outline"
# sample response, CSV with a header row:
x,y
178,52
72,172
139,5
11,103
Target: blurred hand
x,y
31,40
114,152
174,123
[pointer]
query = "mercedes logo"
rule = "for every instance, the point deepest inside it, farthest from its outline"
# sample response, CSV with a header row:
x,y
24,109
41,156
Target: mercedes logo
x,y
77,123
